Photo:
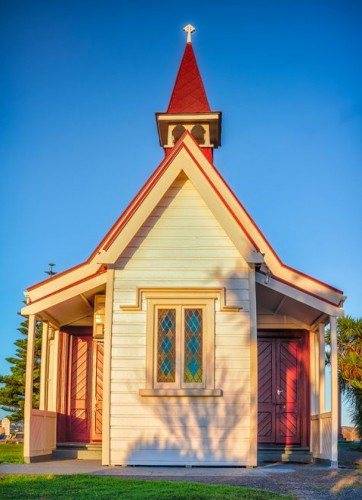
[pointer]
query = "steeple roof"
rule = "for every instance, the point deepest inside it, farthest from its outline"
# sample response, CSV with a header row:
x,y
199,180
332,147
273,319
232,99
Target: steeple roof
x,y
188,94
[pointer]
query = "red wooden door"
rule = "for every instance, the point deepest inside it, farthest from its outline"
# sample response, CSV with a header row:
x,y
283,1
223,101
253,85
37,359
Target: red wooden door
x,y
79,399
282,390
266,391
97,391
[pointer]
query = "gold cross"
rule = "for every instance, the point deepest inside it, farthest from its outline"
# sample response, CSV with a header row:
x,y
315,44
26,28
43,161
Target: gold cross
x,y
189,29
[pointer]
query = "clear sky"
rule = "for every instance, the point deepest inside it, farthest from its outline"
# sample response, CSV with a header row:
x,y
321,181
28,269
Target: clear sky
x,y
81,80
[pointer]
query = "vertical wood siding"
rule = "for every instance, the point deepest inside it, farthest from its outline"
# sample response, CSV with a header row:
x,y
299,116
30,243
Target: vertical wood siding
x,y
180,245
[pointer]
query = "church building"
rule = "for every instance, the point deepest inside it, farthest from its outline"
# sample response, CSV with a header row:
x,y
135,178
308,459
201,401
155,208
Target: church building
x,y
183,339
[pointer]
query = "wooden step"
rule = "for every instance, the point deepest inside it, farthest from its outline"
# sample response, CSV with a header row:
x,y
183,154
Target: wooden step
x,y
80,451
289,454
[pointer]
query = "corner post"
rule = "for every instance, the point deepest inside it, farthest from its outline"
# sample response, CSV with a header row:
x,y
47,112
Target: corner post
x,y
321,391
334,392
107,368
28,403
253,449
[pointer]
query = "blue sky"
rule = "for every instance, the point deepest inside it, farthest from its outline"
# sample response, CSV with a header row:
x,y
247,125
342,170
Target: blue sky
x,y
80,82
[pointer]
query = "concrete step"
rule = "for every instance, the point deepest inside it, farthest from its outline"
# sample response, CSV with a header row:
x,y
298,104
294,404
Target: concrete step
x,y
80,451
289,454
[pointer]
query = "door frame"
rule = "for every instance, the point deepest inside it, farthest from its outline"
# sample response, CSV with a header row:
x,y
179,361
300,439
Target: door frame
x,y
64,382
304,360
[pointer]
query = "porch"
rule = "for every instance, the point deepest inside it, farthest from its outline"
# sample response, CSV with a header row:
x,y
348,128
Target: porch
x,y
313,434
68,422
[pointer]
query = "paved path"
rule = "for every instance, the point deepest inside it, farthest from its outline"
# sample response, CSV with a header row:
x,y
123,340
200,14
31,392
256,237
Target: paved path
x,y
306,482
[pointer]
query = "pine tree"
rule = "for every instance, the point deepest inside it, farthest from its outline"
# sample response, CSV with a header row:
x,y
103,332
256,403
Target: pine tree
x,y
12,387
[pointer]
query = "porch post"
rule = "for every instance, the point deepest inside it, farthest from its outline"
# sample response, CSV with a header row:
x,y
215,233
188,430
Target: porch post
x,y
253,447
106,416
43,404
321,392
334,392
28,403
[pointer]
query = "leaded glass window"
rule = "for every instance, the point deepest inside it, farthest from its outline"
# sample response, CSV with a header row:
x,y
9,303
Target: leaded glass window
x,y
183,340
166,345
193,345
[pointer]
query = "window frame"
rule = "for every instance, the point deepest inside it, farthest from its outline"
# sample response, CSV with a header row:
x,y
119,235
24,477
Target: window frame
x,y
180,302
180,346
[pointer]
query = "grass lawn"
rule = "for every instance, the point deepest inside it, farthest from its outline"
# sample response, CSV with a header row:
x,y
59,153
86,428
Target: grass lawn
x,y
81,486
11,453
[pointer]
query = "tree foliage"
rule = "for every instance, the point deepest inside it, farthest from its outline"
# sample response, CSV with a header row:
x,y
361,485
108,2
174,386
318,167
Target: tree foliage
x,y
349,342
349,339
12,386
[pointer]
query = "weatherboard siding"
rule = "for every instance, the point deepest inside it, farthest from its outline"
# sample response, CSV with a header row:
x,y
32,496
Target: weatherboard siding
x,y
180,245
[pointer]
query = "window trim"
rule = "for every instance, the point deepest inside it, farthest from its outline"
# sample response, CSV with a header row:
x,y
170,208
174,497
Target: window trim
x,y
180,343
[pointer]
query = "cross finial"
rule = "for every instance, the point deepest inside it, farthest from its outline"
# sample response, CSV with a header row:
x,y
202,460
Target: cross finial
x,y
189,29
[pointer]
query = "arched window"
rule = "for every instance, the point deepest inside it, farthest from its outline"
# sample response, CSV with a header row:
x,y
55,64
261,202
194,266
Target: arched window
x,y
198,133
177,133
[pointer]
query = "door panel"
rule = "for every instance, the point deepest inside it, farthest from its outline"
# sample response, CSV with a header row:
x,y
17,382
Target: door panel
x,y
266,413
288,392
79,409
97,390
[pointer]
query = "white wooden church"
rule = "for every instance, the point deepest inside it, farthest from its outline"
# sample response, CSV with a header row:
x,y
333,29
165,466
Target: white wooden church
x,y
183,339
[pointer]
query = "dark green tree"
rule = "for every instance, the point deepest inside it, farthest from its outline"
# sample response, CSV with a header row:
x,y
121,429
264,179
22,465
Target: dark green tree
x,y
12,386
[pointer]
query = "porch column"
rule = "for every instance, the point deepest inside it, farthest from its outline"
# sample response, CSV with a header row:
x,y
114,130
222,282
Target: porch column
x,y
334,392
106,417
321,392
253,447
43,404
28,403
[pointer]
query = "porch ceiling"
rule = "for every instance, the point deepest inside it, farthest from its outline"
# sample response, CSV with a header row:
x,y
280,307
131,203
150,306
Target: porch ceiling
x,y
275,303
76,311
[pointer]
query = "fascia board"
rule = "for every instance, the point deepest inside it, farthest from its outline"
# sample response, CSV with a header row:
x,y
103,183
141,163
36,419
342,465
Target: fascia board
x,y
63,295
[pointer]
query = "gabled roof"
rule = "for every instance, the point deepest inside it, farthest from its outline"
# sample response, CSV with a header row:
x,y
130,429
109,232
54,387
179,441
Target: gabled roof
x,y
187,157
188,94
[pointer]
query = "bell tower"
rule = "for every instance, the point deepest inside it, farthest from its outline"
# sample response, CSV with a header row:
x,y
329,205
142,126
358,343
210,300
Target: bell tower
x,y
189,108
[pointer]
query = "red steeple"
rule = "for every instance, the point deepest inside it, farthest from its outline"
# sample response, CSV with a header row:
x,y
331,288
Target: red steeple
x,y
189,109
188,94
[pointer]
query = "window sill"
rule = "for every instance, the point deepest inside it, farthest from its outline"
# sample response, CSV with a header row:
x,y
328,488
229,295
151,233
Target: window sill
x,y
181,392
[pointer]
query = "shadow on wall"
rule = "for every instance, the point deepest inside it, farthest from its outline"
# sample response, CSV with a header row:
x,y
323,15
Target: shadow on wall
x,y
201,430
192,430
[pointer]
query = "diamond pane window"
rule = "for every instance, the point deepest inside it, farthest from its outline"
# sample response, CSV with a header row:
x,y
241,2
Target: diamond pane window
x,y
166,345
193,346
